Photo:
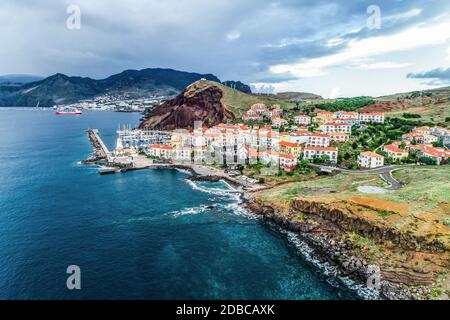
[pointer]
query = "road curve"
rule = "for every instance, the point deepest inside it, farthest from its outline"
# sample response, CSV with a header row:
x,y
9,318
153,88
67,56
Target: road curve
x,y
385,172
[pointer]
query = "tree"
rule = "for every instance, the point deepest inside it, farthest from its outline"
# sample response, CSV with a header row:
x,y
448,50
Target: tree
x,y
438,144
427,160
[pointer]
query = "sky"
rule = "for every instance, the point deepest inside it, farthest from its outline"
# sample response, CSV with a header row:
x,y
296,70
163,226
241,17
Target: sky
x,y
332,48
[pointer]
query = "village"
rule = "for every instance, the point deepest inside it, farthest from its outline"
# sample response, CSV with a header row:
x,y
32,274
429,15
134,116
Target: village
x,y
269,137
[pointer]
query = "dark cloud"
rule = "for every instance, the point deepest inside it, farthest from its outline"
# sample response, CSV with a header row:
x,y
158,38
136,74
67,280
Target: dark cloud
x,y
188,35
436,76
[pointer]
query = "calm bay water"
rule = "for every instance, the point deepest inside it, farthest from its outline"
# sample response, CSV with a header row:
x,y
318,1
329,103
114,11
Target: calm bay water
x,y
139,235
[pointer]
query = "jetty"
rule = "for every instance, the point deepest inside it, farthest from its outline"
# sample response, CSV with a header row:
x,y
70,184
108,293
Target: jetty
x,y
101,151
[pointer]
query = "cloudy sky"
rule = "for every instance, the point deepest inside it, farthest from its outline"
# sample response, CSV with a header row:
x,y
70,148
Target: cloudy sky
x,y
333,48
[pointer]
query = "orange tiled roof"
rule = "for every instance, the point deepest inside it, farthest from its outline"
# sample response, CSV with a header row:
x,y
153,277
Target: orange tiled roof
x,y
161,146
371,154
321,148
289,144
394,148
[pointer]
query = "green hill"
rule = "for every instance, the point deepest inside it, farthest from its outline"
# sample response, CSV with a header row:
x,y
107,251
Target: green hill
x,y
239,102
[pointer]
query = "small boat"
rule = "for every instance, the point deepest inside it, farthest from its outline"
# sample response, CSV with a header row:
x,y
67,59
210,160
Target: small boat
x,y
71,111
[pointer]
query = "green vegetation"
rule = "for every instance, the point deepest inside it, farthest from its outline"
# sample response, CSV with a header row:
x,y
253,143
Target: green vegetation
x,y
373,137
411,115
427,186
302,172
340,184
362,245
432,114
240,102
346,104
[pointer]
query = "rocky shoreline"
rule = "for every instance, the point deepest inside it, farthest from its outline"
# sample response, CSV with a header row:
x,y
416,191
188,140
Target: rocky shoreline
x,y
323,236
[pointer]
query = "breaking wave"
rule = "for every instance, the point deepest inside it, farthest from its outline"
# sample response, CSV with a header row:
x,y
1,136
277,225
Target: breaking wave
x,y
215,191
189,211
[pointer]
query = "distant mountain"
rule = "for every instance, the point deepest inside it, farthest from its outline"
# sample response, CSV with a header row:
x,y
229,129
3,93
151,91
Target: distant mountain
x,y
238,86
59,88
19,78
297,96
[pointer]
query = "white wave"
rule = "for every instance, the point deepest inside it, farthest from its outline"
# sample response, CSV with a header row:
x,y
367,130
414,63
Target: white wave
x,y
237,208
184,171
219,192
189,211
329,270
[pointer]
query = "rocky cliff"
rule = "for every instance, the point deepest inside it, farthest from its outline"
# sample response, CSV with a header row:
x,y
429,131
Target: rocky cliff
x,y
411,266
201,101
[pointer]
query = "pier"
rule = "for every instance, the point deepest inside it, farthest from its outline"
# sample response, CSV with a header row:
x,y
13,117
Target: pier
x,y
101,151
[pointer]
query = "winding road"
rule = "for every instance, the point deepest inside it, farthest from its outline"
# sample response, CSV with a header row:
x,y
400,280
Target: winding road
x,y
385,173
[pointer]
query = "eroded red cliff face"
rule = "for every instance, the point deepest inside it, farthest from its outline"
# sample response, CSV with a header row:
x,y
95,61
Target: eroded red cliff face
x,y
199,102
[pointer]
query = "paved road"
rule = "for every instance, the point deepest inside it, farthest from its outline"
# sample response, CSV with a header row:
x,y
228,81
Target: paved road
x,y
384,172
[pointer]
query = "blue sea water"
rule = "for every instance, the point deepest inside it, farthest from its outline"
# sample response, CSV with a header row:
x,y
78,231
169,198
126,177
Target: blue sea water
x,y
138,235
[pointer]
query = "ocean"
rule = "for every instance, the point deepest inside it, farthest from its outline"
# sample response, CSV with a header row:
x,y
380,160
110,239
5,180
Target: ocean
x,y
148,234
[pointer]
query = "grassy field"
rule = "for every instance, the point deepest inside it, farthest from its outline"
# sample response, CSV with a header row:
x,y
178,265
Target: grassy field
x,y
424,188
434,113
342,184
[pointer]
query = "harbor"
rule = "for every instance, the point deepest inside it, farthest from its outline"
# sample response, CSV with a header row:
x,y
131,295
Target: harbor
x,y
110,163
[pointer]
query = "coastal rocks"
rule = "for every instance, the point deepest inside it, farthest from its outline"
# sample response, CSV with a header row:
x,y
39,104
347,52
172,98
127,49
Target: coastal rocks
x,y
323,232
344,217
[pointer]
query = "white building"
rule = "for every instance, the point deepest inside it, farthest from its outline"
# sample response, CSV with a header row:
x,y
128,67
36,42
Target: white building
x,y
278,121
288,161
339,137
318,140
370,159
302,119
331,127
371,117
160,150
309,153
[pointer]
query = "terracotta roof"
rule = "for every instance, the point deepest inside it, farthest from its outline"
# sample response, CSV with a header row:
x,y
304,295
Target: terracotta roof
x,y
323,135
394,148
423,128
287,156
289,144
325,113
336,124
338,134
371,154
161,146
321,148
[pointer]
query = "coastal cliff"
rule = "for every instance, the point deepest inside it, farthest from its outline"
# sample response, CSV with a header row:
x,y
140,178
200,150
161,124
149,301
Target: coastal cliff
x,y
411,265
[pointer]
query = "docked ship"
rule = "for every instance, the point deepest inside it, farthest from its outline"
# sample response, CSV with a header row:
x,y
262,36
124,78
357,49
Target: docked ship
x,y
62,111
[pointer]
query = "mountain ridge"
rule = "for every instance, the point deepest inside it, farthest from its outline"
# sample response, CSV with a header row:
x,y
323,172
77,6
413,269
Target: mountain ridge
x,y
60,88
